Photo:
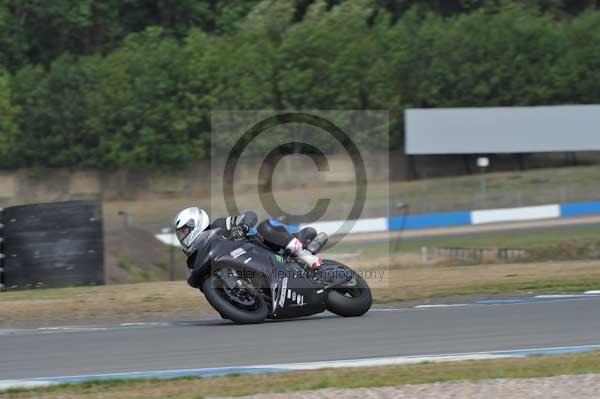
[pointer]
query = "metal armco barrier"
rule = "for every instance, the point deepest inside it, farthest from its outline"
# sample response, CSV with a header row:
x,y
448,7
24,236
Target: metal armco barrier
x,y
472,254
53,245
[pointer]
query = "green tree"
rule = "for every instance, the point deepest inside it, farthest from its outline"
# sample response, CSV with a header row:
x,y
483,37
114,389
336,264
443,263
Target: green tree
x,y
54,131
137,105
498,59
9,130
576,69
107,83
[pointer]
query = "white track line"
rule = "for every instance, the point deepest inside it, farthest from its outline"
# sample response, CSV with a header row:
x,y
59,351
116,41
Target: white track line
x,y
443,305
559,296
24,384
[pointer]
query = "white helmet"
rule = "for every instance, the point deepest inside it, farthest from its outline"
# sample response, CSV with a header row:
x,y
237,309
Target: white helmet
x,y
189,223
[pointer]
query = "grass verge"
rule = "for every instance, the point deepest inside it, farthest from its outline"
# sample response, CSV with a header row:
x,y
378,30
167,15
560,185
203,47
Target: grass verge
x,y
505,289
426,282
131,302
546,366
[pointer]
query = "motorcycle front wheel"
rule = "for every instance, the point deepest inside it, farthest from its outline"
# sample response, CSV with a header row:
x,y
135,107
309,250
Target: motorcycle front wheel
x,y
243,305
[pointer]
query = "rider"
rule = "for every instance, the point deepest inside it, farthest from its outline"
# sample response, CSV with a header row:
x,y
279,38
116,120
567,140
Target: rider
x,y
190,222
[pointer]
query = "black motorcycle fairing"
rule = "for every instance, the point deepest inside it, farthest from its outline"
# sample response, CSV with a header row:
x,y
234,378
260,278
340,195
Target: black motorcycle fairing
x,y
214,253
331,274
245,257
291,293
200,257
297,296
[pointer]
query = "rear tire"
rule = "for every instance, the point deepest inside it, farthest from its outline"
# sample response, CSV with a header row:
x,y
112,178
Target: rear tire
x,y
350,302
215,294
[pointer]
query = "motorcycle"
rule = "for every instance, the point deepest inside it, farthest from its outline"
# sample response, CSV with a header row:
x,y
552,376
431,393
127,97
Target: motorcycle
x,y
248,282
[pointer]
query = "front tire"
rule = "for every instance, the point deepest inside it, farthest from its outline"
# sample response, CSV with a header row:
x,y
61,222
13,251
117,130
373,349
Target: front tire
x,y
350,301
216,294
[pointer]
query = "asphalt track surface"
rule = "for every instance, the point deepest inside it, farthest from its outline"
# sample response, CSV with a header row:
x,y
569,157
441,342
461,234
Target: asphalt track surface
x,y
380,333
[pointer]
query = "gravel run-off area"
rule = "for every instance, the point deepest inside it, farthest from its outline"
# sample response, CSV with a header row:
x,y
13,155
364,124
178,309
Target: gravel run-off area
x,y
571,387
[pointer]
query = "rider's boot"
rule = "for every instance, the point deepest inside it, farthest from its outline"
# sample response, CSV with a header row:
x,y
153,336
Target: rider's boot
x,y
317,243
311,260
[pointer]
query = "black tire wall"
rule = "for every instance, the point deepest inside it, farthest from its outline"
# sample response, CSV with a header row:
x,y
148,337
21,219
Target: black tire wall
x,y
53,245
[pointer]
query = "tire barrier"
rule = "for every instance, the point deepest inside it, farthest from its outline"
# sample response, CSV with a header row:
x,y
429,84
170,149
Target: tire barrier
x,y
52,245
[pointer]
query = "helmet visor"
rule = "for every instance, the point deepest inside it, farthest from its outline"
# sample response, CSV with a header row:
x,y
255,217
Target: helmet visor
x,y
183,232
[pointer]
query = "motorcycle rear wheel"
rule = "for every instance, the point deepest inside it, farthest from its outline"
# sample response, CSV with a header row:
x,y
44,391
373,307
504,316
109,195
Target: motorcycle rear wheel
x,y
350,301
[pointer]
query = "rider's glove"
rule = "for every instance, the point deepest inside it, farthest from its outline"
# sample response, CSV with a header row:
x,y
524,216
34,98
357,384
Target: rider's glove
x,y
238,232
